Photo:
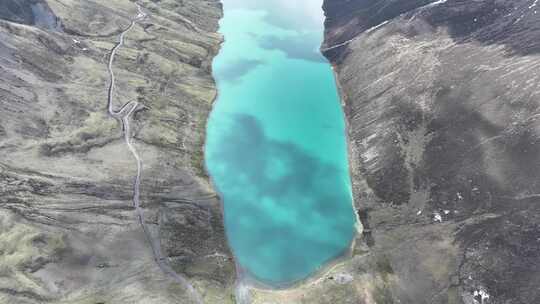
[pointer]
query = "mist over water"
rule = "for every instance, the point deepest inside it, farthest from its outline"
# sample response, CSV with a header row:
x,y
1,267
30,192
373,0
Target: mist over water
x,y
276,146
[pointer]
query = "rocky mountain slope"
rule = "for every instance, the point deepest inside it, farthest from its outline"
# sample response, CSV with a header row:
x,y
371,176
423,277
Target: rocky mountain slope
x,y
442,101
68,229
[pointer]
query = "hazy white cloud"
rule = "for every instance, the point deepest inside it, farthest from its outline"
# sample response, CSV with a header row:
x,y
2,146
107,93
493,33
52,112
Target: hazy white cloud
x,y
312,9
299,14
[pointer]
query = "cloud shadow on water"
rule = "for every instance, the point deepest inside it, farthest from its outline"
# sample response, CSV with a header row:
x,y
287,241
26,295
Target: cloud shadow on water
x,y
294,47
235,71
286,212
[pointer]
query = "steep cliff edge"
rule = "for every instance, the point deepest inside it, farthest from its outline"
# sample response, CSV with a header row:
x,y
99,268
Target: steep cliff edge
x,y
68,229
442,101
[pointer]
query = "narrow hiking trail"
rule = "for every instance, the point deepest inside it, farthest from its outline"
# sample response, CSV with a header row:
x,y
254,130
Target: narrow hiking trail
x,y
123,115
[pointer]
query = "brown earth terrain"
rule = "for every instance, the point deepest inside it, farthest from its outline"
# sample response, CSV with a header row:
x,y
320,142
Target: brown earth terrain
x,y
441,103
68,228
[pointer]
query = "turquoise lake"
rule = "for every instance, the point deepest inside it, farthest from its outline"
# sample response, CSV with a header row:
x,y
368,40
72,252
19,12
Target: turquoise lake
x,y
276,145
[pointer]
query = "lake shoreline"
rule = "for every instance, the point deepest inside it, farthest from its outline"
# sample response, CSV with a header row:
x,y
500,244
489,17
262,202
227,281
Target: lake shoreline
x,y
245,276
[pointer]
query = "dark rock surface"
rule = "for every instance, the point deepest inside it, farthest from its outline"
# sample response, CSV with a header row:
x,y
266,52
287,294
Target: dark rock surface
x,y
442,103
32,12
68,230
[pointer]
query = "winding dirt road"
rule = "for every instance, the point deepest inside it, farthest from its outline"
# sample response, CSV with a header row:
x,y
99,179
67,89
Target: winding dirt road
x,y
123,115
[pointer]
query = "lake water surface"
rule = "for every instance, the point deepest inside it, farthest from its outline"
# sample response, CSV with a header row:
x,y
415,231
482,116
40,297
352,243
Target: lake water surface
x,y
276,146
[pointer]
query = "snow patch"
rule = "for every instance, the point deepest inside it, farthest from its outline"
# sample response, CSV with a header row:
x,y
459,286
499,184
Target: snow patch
x,y
370,154
435,3
482,294
439,2
371,29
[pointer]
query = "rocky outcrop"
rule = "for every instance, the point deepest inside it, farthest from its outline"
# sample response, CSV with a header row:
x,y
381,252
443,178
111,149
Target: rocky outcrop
x,y
68,229
442,104
32,12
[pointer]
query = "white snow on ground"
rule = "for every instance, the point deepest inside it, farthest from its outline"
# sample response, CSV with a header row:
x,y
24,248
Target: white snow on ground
x,y
370,154
434,3
371,29
532,6
430,5
484,296
439,2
